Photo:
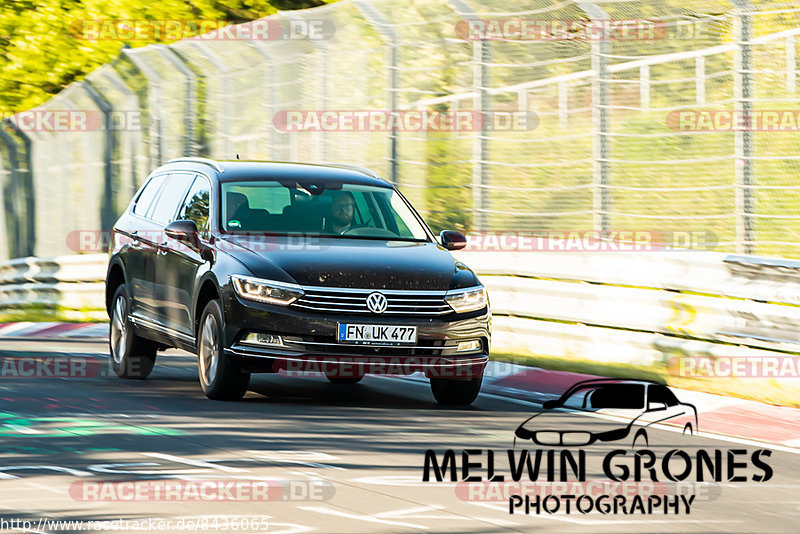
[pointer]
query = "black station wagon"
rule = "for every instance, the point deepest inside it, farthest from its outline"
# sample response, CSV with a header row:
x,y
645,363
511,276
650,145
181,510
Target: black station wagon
x,y
291,268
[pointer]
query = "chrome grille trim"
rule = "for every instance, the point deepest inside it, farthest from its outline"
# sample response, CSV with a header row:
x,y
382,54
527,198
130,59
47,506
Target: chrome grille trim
x,y
340,310
387,292
353,300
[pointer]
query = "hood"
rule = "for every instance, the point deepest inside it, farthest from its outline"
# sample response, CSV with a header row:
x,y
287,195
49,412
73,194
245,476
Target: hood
x,y
352,263
553,420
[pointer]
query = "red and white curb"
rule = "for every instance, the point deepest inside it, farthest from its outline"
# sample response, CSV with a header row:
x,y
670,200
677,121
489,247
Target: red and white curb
x,y
27,330
718,415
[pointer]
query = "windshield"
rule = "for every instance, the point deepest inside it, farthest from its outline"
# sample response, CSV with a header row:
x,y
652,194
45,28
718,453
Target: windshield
x,y
611,396
321,209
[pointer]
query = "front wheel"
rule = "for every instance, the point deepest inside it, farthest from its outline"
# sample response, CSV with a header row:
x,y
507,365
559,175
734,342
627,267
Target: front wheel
x,y
456,391
220,378
641,436
132,356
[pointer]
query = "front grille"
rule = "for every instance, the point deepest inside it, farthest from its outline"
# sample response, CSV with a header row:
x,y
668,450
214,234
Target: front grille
x,y
343,300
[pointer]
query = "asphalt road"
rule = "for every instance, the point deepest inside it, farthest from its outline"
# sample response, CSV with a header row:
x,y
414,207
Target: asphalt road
x,y
337,458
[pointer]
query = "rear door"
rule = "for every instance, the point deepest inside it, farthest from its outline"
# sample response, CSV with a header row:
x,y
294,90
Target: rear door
x,y
139,254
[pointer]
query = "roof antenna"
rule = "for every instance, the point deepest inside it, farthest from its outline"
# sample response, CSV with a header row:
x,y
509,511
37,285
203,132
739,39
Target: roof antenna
x,y
237,155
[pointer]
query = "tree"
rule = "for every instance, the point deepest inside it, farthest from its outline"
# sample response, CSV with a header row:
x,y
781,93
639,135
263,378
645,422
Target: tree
x,y
43,47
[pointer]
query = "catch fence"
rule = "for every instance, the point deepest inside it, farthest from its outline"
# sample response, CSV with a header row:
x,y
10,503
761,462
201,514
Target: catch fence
x,y
568,115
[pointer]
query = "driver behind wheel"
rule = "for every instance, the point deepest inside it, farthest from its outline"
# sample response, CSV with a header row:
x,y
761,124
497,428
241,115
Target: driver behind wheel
x,y
342,208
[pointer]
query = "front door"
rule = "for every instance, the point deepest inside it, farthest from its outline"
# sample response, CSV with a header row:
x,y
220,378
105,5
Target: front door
x,y
180,264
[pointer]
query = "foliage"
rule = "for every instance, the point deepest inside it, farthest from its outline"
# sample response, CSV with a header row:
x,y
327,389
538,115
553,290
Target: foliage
x,y
41,51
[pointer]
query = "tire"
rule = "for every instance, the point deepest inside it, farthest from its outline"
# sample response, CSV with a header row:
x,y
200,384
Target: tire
x,y
687,429
132,356
220,378
344,379
641,433
456,392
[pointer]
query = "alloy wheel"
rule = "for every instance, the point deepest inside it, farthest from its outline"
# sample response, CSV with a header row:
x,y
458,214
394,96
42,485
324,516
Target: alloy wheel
x,y
119,331
209,350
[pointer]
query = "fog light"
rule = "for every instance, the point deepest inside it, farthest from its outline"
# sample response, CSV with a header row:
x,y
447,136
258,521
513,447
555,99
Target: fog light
x,y
257,338
465,346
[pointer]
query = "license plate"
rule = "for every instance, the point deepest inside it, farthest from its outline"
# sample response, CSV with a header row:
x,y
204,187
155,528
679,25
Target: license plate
x,y
377,334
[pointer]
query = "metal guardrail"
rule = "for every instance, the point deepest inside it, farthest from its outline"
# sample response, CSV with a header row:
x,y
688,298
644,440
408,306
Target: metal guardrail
x,y
637,308
624,307
75,285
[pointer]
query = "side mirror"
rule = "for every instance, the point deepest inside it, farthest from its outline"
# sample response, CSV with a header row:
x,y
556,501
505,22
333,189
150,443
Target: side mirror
x,y
452,240
184,231
549,405
655,406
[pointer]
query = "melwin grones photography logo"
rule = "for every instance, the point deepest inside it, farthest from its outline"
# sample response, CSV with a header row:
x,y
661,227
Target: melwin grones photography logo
x,y
548,471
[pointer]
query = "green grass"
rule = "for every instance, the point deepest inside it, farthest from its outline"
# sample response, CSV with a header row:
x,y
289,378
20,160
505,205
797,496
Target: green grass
x,y
39,313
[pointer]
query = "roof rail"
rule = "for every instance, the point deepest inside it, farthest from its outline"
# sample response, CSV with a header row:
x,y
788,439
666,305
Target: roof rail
x,y
206,161
368,172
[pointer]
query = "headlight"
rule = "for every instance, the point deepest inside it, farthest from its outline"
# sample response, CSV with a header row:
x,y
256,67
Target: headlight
x,y
268,291
467,300
548,438
576,438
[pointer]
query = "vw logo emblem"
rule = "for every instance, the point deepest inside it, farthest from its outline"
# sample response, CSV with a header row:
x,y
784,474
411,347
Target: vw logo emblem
x,y
376,302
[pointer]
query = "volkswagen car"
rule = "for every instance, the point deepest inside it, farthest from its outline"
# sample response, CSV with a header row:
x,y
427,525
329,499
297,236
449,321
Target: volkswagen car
x,y
291,268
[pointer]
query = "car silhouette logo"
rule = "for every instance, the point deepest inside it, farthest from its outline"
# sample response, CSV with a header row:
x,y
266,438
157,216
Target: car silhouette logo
x,y
636,405
376,302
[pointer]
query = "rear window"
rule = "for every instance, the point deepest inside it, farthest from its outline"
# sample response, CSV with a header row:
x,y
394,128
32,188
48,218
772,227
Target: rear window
x,y
172,193
147,195
662,394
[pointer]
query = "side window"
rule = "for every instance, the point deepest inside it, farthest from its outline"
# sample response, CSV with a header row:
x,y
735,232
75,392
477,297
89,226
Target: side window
x,y
362,210
147,195
195,207
618,396
662,394
577,399
173,191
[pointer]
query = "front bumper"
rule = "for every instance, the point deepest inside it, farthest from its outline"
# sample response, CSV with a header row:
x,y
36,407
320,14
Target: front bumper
x,y
310,342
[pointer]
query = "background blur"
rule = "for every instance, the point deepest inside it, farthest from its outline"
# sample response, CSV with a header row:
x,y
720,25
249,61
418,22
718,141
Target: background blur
x,y
606,152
